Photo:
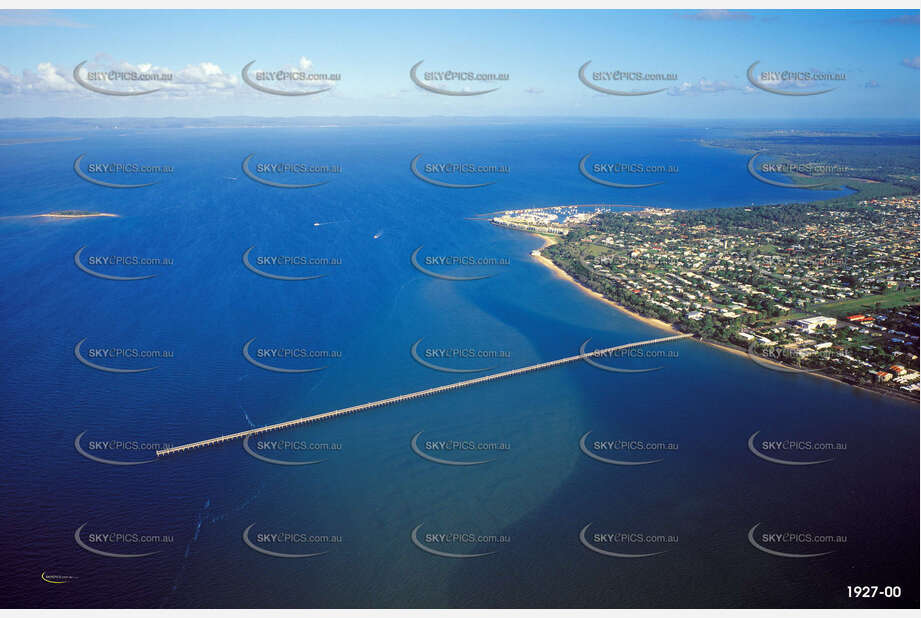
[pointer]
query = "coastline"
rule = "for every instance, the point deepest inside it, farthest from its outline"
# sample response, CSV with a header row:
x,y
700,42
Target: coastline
x,y
562,274
816,374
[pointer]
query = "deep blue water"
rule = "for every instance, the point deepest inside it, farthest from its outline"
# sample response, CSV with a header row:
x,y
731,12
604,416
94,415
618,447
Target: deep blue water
x,y
374,491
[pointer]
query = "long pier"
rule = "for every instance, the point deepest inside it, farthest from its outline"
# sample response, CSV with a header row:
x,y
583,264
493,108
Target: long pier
x,y
408,396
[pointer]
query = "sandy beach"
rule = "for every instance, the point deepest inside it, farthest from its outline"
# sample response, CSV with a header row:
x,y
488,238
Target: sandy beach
x,y
562,274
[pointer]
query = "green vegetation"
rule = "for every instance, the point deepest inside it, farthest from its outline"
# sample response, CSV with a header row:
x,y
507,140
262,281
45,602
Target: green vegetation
x,y
887,157
867,304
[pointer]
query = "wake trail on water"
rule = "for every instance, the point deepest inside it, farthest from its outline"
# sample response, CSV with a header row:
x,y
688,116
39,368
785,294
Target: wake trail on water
x,y
248,418
252,425
204,516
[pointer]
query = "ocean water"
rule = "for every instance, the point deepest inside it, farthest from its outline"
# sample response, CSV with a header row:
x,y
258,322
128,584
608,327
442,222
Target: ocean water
x,y
374,491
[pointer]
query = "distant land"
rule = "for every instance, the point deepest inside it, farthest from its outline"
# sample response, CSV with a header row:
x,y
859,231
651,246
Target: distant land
x,y
37,140
808,127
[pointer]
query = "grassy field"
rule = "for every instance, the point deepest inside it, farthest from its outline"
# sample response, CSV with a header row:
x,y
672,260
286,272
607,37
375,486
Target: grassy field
x,y
866,303
593,250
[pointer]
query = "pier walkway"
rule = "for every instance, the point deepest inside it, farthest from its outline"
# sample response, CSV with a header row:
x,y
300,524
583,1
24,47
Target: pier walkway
x,y
408,396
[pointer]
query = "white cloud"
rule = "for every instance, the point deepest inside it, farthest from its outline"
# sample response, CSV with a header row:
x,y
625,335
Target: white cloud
x,y
47,79
718,15
911,63
701,86
208,76
7,81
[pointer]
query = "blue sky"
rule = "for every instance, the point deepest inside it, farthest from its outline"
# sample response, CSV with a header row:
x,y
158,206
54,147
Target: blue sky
x,y
541,51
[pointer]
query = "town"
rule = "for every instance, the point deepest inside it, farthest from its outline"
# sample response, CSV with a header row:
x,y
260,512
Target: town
x,y
830,288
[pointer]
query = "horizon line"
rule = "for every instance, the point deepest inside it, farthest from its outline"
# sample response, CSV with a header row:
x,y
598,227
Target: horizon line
x,y
470,117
